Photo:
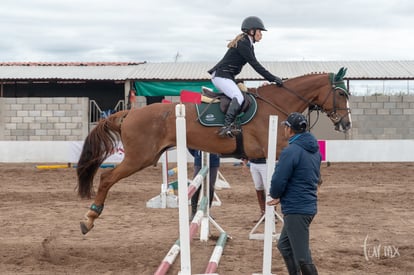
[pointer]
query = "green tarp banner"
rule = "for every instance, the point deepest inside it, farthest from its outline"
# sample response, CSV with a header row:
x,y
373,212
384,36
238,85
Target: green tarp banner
x,y
167,88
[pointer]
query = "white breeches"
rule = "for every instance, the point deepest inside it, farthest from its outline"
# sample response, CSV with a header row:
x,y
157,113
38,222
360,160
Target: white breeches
x,y
228,87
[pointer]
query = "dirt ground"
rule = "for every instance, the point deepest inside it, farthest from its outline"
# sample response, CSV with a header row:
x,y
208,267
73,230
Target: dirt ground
x,y
365,223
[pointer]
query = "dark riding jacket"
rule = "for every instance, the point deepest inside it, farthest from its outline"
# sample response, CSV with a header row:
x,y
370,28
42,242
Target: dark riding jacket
x,y
235,58
297,174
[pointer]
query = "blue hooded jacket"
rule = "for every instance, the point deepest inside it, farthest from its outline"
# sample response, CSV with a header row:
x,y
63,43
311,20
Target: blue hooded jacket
x,y
297,174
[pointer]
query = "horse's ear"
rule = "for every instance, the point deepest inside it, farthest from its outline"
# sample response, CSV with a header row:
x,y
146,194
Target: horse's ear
x,y
341,73
344,71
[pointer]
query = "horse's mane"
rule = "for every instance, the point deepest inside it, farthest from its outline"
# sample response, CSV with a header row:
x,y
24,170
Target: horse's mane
x,y
338,77
312,73
307,74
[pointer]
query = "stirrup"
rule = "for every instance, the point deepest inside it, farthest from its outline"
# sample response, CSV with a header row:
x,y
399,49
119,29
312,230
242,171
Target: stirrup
x,y
225,131
229,131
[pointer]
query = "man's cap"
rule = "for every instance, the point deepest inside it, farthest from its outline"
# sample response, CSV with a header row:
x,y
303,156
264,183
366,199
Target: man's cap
x,y
297,122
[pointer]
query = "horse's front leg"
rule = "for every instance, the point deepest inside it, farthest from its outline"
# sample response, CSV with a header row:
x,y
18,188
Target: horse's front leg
x,y
106,182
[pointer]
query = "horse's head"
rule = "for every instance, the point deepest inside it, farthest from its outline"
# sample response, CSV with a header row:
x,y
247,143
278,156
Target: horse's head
x,y
335,102
325,92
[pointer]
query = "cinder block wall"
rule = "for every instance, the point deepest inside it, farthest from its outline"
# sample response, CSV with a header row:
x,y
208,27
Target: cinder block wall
x,y
382,117
40,118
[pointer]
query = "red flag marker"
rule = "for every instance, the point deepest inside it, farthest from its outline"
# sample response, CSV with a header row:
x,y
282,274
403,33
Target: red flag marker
x,y
190,97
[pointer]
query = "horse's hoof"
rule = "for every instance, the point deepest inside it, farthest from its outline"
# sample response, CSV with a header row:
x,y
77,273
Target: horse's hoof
x,y
84,228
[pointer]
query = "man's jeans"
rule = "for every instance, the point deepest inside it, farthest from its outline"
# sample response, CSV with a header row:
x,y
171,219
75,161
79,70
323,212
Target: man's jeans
x,y
294,239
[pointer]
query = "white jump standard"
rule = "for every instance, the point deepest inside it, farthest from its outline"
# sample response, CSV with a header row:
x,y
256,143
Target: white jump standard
x,y
202,217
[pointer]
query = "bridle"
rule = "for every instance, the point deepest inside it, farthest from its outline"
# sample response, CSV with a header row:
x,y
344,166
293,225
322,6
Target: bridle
x,y
337,86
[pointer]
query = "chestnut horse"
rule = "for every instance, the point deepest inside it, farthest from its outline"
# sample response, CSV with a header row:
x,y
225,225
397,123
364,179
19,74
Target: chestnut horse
x,y
147,132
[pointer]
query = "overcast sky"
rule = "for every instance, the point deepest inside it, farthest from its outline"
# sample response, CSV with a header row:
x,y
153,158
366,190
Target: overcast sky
x,y
198,30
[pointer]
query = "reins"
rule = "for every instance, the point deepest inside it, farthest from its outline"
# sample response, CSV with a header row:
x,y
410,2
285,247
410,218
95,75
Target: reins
x,y
312,106
258,96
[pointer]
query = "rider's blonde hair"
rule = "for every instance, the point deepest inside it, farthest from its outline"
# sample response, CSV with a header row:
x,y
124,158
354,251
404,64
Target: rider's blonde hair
x,y
233,43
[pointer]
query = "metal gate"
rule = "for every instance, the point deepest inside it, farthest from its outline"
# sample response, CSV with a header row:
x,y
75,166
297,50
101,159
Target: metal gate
x,y
96,113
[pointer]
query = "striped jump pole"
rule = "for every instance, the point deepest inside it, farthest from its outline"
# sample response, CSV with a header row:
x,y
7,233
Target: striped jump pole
x,y
175,248
168,259
197,181
216,255
195,223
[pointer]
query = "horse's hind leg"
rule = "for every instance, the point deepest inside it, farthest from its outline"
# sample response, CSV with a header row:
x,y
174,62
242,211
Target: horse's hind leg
x,y
107,179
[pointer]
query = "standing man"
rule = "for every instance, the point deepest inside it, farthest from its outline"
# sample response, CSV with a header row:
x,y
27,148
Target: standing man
x,y
294,185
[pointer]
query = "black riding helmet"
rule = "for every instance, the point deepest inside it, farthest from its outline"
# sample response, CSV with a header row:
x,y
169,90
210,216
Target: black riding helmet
x,y
252,23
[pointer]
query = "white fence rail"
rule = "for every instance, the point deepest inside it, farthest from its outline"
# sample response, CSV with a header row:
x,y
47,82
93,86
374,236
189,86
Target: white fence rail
x,y
336,151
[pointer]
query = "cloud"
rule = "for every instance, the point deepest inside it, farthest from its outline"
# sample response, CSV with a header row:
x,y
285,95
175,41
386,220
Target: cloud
x,y
155,31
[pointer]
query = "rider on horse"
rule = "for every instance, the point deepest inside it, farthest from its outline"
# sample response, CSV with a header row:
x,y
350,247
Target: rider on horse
x,y
240,51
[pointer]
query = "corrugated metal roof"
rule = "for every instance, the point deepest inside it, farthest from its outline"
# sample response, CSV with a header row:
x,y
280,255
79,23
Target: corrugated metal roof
x,y
67,71
173,71
198,70
69,63
284,69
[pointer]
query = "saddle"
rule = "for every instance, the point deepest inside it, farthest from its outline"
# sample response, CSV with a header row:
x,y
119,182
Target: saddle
x,y
213,107
208,96
212,110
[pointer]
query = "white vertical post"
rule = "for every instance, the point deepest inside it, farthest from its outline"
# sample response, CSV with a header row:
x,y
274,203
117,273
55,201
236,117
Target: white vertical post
x,y
181,134
164,185
270,217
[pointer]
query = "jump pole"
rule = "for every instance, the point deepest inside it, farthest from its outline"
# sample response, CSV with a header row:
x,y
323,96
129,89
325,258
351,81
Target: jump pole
x,y
216,255
269,214
175,248
53,166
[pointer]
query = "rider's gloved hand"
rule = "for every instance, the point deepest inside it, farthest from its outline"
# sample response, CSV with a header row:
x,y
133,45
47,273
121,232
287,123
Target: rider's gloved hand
x,y
278,81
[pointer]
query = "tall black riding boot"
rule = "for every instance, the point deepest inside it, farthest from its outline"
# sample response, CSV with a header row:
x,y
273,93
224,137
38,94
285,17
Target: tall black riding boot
x,y
229,118
308,269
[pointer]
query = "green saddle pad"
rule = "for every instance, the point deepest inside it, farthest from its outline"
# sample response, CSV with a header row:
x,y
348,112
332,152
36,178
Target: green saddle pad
x,y
211,115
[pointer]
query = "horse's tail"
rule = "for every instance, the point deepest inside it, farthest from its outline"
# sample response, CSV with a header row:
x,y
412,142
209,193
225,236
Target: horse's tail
x,y
98,145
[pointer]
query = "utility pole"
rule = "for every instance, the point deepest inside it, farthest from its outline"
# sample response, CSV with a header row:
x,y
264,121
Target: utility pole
x,y
177,55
